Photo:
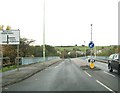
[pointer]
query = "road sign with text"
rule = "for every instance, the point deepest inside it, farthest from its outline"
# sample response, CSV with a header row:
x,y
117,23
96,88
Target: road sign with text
x,y
11,37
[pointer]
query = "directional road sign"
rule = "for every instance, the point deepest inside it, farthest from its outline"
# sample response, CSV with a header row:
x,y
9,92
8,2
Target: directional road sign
x,y
11,37
91,44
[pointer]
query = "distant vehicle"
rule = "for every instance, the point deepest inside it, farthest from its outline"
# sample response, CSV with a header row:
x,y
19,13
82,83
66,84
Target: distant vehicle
x,y
114,62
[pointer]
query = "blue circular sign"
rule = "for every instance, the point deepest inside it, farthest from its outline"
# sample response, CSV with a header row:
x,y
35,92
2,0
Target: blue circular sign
x,y
91,44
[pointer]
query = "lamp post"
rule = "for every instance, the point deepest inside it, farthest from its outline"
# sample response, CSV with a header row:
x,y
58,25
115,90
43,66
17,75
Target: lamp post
x,y
44,31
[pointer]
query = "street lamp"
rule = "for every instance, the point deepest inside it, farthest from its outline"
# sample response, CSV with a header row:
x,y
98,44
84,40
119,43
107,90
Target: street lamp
x,y
44,31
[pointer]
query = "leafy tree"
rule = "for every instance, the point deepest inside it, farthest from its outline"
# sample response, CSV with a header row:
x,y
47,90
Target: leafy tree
x,y
50,51
1,27
38,51
25,46
8,28
10,51
64,54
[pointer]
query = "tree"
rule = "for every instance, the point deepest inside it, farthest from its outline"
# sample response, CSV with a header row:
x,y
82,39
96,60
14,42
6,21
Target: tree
x,y
1,27
25,46
50,51
10,51
64,54
8,28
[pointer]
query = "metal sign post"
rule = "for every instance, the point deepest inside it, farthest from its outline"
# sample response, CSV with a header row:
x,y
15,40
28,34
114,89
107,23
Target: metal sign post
x,y
91,45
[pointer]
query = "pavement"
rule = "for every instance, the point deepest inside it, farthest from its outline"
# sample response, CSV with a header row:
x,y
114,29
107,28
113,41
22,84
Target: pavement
x,y
14,76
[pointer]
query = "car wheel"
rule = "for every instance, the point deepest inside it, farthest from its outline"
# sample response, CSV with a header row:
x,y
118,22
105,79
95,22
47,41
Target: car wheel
x,y
110,68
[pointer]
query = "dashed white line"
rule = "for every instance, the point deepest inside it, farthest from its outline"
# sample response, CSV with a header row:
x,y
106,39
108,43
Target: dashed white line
x,y
109,74
56,66
104,86
88,74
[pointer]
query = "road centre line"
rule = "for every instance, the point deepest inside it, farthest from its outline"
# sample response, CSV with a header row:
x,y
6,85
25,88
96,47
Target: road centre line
x,y
105,86
88,74
109,74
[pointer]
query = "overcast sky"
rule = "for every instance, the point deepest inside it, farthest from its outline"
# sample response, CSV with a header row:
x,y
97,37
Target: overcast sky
x,y
67,22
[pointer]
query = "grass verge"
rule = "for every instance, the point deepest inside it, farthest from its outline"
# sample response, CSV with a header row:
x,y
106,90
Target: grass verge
x,y
8,68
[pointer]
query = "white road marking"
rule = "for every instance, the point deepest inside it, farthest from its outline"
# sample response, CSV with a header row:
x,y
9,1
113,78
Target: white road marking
x,y
109,74
36,79
6,88
88,74
56,66
104,86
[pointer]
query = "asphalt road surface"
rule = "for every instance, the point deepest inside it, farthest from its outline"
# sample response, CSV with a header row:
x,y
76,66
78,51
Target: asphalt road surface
x,y
67,76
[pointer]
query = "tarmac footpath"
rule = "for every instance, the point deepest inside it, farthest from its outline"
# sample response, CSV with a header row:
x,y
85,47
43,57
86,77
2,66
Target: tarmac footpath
x,y
14,76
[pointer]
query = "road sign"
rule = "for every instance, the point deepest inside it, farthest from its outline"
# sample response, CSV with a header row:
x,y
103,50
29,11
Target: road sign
x,y
11,37
91,44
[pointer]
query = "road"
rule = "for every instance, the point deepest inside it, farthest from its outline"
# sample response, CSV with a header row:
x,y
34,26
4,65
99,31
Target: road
x,y
67,76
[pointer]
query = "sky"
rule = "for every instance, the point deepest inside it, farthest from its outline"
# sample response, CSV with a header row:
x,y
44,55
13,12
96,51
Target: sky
x,y
67,22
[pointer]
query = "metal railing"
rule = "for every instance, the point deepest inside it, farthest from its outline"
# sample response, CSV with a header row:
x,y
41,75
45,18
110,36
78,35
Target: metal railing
x,y
31,60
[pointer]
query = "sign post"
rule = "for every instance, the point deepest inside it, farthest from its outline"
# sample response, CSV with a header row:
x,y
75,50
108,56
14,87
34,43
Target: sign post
x,y
91,45
10,37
